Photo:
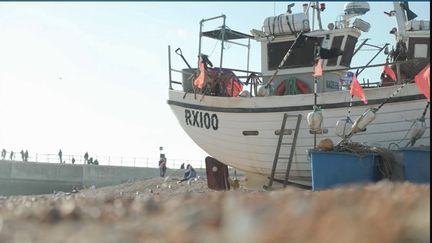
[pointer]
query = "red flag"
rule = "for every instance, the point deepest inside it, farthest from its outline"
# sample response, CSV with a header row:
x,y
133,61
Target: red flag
x,y
422,80
357,90
199,81
389,71
318,69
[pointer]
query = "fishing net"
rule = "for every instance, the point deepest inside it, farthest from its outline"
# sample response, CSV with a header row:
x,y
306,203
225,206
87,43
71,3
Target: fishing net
x,y
387,160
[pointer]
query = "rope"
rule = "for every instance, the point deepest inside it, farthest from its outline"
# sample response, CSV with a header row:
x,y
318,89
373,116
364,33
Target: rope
x,y
392,95
272,31
349,108
289,24
281,30
425,109
290,87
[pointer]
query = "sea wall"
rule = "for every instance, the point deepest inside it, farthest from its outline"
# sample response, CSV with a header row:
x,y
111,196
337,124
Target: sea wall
x,y
27,178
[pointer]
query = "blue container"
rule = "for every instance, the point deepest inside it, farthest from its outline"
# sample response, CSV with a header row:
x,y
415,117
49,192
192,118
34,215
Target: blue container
x,y
416,163
330,169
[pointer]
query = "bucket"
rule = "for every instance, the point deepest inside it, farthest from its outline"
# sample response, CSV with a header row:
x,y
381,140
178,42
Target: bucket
x,y
187,78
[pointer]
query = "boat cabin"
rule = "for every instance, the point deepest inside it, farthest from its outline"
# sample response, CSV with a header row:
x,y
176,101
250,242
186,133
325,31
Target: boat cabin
x,y
300,63
412,42
293,33
291,46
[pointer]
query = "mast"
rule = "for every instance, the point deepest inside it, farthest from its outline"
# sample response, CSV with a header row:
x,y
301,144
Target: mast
x,y
318,10
401,20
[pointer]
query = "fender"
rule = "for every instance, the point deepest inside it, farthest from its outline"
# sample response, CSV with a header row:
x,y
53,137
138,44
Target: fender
x,y
280,89
302,87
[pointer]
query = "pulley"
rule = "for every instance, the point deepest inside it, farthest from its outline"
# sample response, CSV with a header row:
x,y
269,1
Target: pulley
x,y
364,120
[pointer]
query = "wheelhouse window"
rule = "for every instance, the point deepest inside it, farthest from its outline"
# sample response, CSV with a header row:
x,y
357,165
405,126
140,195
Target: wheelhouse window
x,y
301,56
418,48
337,43
348,51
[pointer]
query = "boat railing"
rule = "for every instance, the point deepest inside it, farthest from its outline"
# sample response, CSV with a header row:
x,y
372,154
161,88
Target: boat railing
x,y
368,84
246,74
125,161
242,75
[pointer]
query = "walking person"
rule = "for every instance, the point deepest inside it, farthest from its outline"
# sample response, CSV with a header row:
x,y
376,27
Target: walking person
x,y
22,155
3,154
11,156
73,160
26,156
162,165
86,157
60,153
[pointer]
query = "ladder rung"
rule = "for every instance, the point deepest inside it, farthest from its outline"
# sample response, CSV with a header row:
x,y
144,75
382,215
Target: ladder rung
x,y
283,157
286,143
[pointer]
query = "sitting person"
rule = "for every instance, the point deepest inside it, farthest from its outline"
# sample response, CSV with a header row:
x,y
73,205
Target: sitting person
x,y
189,174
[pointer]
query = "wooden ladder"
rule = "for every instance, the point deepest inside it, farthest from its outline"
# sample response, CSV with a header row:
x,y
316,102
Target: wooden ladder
x,y
281,143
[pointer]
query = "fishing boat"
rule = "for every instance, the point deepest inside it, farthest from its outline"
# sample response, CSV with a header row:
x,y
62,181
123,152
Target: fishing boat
x,y
266,123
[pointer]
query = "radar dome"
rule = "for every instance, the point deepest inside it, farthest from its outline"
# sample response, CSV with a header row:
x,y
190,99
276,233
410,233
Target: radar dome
x,y
359,8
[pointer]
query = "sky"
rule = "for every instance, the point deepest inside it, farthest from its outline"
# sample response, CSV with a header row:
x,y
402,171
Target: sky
x,y
93,76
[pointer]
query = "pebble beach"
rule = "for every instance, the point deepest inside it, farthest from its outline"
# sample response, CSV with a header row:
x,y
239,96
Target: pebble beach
x,y
161,210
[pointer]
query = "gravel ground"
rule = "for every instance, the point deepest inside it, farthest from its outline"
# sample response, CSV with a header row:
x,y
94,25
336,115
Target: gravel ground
x,y
158,210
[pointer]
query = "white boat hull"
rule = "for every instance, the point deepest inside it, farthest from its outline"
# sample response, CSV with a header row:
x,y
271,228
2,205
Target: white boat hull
x,y
216,124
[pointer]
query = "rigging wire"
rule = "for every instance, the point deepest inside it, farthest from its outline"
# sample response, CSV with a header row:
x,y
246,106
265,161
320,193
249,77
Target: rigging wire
x,y
374,110
409,130
214,48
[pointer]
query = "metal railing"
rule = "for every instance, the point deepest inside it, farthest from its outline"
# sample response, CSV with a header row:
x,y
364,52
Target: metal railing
x,y
146,162
242,75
